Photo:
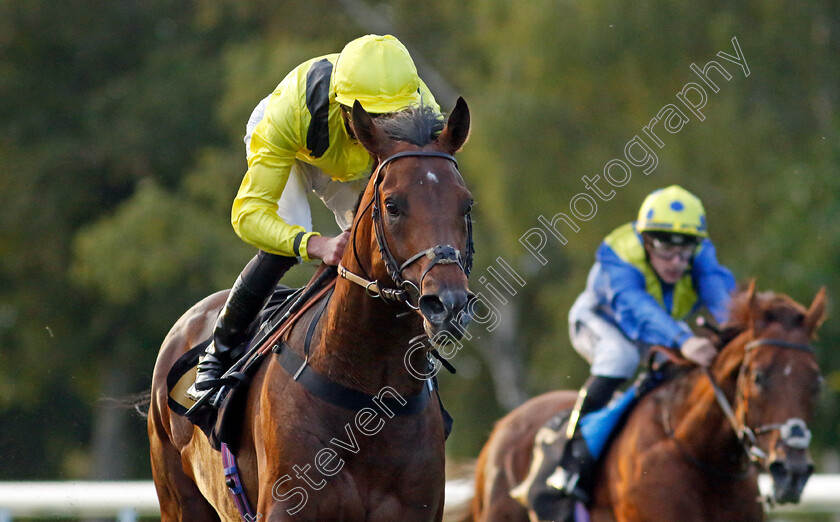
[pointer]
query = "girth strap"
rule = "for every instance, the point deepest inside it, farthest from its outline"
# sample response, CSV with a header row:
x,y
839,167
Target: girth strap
x,y
344,397
234,483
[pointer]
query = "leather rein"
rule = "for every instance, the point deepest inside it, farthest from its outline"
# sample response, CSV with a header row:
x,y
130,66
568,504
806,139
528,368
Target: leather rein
x,y
406,291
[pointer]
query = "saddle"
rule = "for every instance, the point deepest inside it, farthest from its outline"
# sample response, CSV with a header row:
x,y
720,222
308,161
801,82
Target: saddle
x,y
219,413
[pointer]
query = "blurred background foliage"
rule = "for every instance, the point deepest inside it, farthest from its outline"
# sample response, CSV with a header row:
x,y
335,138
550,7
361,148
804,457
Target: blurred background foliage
x,y
121,149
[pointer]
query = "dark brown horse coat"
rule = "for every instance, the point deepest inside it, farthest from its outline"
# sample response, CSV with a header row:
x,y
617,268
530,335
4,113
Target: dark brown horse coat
x,y
302,458
678,456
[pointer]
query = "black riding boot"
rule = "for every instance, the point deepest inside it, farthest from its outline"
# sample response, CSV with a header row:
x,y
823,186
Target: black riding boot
x,y
551,502
251,291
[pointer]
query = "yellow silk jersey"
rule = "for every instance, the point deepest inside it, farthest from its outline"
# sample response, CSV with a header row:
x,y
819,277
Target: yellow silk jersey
x,y
303,122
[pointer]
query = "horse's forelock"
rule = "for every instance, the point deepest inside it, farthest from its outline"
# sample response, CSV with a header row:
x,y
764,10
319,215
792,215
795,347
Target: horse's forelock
x,y
777,308
419,125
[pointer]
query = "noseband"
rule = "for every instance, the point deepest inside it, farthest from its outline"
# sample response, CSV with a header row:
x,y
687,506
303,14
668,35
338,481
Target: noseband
x,y
407,291
794,432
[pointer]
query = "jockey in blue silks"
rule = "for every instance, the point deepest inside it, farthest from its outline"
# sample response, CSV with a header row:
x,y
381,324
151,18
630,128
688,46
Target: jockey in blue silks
x,y
649,275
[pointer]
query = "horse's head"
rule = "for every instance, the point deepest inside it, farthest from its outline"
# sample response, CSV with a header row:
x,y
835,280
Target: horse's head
x,y
778,381
414,217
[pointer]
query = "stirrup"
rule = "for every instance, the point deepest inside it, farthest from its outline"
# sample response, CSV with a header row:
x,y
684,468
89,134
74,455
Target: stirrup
x,y
560,480
208,374
220,382
216,389
196,394
212,398
567,484
209,385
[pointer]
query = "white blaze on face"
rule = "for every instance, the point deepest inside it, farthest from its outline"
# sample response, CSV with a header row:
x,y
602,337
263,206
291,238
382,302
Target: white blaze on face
x,y
431,177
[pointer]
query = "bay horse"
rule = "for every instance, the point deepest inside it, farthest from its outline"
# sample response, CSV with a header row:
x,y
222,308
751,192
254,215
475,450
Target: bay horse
x,y
681,455
303,457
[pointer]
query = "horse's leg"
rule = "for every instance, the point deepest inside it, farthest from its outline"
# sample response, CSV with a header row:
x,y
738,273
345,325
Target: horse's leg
x,y
179,497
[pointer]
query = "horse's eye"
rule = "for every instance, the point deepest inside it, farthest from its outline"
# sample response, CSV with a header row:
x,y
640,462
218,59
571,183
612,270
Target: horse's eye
x,y
759,378
468,208
817,385
392,208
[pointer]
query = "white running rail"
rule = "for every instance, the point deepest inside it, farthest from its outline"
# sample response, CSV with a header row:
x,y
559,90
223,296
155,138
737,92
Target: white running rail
x,y
126,501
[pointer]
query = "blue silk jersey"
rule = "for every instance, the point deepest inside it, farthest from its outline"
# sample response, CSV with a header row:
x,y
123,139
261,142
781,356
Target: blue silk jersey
x,y
631,295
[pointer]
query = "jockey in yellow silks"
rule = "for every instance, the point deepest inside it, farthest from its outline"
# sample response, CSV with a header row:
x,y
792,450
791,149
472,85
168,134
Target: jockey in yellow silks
x,y
648,276
300,139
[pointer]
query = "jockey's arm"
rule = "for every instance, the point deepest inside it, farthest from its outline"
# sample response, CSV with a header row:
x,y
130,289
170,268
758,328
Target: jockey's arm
x,y
254,213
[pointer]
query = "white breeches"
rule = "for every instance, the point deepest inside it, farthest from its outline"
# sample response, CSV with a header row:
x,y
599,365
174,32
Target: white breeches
x,y
601,342
293,207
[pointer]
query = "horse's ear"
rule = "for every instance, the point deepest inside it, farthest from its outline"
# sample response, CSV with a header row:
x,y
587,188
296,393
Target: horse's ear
x,y
368,134
752,304
457,128
816,312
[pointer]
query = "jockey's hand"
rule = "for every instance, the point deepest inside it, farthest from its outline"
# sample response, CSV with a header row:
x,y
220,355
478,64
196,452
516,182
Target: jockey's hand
x,y
328,249
699,350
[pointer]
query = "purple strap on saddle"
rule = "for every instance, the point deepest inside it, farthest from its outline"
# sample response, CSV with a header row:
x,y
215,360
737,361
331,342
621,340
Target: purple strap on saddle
x,y
234,484
581,513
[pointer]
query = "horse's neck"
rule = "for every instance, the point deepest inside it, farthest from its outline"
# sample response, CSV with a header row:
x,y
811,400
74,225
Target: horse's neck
x,y
363,341
699,422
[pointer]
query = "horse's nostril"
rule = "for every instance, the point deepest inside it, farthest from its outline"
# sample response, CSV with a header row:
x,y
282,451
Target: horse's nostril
x,y
444,306
433,309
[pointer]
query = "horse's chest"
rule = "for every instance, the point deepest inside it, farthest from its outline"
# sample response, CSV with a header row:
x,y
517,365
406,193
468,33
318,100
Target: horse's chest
x,y
395,472
363,496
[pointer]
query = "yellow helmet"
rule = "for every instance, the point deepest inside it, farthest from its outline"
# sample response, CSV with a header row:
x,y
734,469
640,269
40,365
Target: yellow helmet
x,y
673,210
377,71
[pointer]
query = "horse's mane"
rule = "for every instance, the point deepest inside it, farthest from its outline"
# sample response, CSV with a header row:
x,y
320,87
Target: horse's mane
x,y
773,307
769,304
419,124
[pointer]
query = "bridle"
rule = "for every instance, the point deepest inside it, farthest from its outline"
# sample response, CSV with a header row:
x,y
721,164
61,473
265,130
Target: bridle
x,y
793,432
406,291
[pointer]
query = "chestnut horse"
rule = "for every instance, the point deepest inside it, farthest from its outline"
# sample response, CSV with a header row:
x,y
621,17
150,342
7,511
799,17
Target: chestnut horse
x,y
680,455
301,456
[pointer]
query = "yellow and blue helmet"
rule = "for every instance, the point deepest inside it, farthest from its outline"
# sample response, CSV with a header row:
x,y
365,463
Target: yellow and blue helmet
x,y
377,71
673,210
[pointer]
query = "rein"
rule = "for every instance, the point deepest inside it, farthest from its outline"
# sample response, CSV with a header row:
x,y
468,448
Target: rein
x,y
407,291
